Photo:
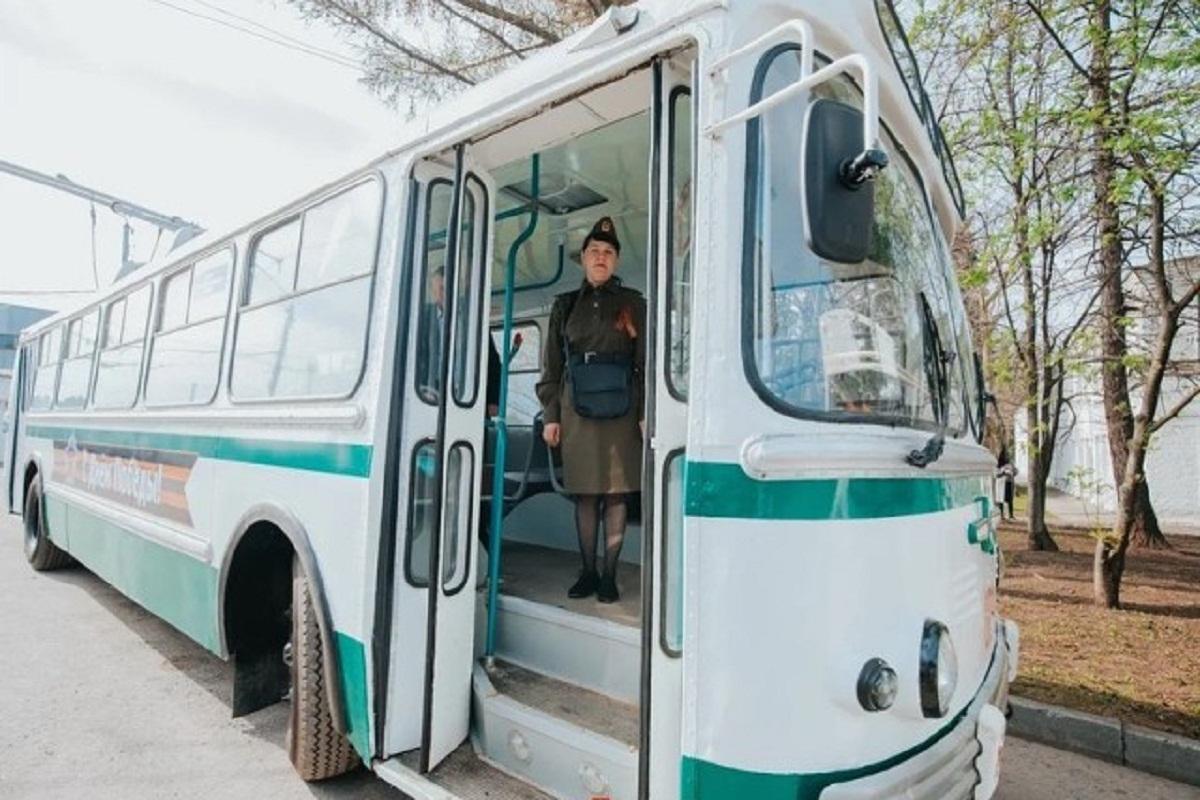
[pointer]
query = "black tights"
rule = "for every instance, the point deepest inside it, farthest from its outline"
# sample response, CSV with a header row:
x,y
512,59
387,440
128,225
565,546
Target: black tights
x,y
587,523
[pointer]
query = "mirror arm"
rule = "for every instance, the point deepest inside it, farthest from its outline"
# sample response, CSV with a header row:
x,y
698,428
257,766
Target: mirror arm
x,y
864,167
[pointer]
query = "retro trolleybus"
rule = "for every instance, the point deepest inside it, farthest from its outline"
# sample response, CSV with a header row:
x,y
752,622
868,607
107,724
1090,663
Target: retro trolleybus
x,y
279,439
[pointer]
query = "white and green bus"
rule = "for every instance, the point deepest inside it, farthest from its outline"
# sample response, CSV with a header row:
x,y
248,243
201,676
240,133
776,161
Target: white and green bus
x,y
278,438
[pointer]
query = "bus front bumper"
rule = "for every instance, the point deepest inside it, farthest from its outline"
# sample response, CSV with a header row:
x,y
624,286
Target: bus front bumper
x,y
965,763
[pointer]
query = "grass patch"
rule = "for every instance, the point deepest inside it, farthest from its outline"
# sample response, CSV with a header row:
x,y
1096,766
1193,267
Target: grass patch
x,y
1140,664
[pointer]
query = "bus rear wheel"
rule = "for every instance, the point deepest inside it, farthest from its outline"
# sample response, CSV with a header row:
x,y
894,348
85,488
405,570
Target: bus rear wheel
x,y
315,747
43,555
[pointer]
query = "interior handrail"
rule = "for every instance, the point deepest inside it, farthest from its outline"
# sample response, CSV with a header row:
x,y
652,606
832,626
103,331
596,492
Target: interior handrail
x,y
501,421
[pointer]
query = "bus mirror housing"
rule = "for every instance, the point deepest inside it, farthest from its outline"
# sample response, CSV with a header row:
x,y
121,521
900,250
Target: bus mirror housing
x,y
838,175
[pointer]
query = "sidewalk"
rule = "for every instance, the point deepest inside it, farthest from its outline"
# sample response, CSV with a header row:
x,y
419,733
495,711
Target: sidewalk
x,y
1069,511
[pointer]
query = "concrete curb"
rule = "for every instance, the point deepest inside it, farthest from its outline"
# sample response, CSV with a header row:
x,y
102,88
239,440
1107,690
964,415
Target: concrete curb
x,y
1164,754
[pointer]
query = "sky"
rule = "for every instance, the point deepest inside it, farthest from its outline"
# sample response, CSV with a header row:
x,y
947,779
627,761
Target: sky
x,y
149,101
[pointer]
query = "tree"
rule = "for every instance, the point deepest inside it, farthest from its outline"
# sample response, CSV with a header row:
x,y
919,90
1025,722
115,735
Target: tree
x,y
997,79
1138,61
424,50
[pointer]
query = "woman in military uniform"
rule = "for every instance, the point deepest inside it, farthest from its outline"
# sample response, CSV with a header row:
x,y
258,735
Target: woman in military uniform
x,y
601,323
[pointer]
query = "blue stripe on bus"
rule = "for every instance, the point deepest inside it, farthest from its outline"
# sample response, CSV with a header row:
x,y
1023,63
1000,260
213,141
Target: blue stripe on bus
x,y
353,460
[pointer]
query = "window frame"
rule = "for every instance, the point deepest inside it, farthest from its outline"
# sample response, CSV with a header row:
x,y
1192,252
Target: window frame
x,y
65,356
156,318
144,340
423,290
411,511
479,301
920,102
241,307
750,212
678,393
55,361
678,454
517,327
472,510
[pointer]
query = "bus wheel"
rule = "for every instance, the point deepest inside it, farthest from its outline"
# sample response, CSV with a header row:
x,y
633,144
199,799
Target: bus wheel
x,y
315,747
42,554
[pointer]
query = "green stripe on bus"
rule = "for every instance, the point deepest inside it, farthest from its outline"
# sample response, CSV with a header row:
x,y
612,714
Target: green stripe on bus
x,y
704,780
726,491
353,460
167,583
352,663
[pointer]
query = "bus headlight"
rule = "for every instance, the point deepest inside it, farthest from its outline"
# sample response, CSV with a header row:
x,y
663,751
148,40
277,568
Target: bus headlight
x,y
877,685
939,669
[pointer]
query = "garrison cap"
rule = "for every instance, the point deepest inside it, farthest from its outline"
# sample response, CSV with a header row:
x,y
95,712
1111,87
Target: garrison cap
x,y
603,231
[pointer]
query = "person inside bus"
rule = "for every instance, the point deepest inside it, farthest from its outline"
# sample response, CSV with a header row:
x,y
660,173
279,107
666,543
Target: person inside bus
x,y
591,389
430,350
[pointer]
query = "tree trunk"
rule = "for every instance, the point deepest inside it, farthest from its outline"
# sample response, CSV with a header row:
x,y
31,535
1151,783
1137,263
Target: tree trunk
x,y
1108,569
1146,531
1039,534
1118,413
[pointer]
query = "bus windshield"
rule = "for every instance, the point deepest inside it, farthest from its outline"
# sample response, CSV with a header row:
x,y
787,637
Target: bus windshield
x,y
839,340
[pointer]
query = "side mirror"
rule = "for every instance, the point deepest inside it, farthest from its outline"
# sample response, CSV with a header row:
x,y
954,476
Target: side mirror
x,y
838,171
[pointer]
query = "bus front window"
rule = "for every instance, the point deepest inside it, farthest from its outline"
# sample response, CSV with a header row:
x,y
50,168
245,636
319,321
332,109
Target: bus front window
x,y
833,340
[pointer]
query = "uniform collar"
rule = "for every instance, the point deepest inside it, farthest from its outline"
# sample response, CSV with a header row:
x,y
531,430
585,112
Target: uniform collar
x,y
611,285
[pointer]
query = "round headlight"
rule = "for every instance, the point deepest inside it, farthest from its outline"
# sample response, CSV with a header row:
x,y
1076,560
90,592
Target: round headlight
x,y
939,669
877,685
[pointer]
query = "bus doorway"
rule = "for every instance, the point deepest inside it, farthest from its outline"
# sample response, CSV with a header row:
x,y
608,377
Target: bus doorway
x,y
557,683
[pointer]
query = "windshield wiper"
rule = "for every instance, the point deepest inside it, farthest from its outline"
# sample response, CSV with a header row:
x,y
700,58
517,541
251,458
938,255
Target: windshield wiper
x,y
936,361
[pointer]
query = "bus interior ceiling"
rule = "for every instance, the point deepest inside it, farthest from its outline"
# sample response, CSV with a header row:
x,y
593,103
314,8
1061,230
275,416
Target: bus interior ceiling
x,y
593,161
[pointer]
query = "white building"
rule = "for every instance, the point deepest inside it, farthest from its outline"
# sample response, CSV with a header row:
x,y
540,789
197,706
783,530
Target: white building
x,y
1082,465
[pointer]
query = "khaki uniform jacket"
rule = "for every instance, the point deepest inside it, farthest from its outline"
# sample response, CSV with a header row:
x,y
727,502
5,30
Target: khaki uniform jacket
x,y
600,456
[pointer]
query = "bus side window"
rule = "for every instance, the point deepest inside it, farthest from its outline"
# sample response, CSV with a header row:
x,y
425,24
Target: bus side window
x,y
302,326
121,348
49,356
77,367
523,372
185,357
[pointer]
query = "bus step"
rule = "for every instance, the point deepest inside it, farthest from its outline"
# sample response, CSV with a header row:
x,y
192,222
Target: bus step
x,y
462,776
567,740
585,650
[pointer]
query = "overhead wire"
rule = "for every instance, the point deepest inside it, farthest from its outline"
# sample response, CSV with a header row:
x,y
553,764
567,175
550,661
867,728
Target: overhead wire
x,y
271,31
301,48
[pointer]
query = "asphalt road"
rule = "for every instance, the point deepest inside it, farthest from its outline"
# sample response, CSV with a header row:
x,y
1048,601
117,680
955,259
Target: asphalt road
x,y
101,700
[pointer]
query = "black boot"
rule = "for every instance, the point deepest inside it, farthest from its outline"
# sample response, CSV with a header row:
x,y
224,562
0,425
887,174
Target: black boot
x,y
607,593
585,585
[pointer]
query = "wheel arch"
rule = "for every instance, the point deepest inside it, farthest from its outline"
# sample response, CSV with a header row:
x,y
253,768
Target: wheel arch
x,y
289,526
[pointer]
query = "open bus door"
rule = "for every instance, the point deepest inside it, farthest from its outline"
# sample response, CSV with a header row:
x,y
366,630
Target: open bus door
x,y
431,649
670,285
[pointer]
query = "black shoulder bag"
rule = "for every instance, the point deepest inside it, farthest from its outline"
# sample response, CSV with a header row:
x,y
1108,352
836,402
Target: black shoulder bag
x,y
601,383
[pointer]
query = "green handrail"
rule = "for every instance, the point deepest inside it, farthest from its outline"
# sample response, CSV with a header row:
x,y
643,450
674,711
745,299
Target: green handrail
x,y
501,420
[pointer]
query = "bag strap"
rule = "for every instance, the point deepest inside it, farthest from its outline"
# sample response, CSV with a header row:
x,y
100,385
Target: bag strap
x,y
572,298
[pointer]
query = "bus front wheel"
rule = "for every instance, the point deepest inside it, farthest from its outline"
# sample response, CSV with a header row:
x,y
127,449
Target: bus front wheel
x,y
315,747
43,555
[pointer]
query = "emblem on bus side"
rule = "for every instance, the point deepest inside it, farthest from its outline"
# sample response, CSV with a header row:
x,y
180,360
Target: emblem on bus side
x,y
152,481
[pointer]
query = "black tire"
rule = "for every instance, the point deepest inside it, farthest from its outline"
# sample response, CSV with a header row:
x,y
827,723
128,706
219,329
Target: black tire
x,y
315,747
43,555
